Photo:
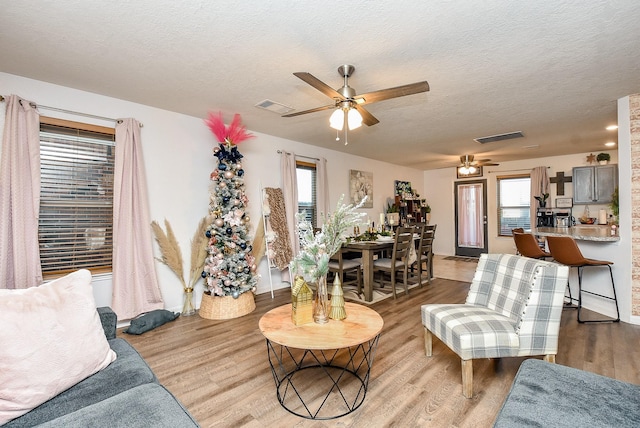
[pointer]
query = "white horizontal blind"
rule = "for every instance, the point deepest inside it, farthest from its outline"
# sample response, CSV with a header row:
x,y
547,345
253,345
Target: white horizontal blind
x,y
513,204
307,202
76,199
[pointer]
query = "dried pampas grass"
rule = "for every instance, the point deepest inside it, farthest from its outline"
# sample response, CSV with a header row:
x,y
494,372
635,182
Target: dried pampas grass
x,y
172,255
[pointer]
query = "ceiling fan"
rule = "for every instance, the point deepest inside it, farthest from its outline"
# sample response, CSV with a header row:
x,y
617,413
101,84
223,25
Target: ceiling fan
x,y
348,103
468,165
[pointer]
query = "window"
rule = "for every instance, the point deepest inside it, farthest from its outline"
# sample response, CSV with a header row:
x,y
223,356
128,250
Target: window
x,y
76,196
306,178
514,199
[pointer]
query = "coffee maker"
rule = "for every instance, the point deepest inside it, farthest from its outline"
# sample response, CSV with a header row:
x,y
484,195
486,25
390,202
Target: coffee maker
x,y
545,218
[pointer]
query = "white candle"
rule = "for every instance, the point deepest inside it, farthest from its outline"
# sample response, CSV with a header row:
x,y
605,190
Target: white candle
x,y
381,220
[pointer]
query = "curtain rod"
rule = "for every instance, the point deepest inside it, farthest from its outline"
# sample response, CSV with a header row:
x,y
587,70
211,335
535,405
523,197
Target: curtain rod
x,y
513,170
299,156
76,113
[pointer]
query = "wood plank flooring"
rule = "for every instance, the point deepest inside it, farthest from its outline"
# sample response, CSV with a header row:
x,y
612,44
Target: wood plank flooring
x,y
219,369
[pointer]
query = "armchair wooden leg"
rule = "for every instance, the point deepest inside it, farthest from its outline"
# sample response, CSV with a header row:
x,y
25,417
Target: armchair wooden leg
x,y
467,378
428,342
550,358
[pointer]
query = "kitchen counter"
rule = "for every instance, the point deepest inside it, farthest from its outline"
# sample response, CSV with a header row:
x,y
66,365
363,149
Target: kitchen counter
x,y
580,232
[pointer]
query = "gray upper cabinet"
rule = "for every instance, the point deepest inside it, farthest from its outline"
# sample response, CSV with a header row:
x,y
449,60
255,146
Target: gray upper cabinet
x,y
594,184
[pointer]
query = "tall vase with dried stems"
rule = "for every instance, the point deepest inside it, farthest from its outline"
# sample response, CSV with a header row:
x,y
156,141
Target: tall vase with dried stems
x,y
172,258
317,248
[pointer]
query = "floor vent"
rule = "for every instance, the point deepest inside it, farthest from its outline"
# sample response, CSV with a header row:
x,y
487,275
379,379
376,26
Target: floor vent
x,y
274,107
499,137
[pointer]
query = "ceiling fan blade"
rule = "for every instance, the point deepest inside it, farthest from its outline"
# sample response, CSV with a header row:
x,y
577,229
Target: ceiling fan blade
x,y
487,164
319,85
313,110
398,91
367,118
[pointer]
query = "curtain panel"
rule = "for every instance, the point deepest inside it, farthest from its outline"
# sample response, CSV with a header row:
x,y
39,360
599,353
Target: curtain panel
x,y
539,185
20,196
135,284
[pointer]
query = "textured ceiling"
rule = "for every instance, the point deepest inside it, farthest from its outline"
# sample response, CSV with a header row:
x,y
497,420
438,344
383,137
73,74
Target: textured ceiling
x,y
551,69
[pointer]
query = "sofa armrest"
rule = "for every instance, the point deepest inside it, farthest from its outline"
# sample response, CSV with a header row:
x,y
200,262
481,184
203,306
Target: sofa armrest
x,y
109,319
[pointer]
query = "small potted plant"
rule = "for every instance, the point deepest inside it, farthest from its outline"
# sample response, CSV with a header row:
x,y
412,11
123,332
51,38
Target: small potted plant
x,y
603,158
542,200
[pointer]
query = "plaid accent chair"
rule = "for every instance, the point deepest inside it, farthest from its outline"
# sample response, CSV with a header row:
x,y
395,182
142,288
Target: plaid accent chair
x,y
513,309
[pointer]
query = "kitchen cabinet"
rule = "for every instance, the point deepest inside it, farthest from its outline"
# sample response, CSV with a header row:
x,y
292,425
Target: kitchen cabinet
x,y
594,184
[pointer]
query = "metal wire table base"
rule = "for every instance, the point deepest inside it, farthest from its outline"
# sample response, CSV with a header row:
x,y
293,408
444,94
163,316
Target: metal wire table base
x,y
321,384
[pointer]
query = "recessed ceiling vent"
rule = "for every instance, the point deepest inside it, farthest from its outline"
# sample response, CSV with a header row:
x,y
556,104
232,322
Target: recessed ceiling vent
x,y
274,107
499,137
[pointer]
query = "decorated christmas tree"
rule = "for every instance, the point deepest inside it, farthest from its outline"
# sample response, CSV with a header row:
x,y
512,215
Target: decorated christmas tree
x,y
230,267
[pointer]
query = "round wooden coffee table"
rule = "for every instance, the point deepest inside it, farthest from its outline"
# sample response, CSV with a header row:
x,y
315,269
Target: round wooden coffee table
x,y
321,371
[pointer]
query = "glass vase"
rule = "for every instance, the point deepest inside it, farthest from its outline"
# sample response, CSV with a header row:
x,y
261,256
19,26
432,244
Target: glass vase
x,y
188,308
321,302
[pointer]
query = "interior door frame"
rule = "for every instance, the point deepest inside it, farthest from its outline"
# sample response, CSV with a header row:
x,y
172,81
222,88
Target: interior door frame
x,y
468,251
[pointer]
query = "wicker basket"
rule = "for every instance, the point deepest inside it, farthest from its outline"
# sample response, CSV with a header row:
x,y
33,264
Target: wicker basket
x,y
226,307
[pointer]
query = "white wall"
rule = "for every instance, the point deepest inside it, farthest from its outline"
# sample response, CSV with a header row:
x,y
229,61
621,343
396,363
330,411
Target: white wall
x,y
178,160
440,186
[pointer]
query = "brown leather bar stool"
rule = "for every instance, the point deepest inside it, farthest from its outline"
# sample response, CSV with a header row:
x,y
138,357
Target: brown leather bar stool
x,y
565,251
527,246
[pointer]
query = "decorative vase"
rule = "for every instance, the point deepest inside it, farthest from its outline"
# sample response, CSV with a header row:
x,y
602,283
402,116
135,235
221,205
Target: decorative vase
x,y
321,302
188,308
337,311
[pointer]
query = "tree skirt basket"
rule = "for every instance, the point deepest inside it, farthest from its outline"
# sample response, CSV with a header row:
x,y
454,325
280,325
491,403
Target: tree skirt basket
x,y
226,307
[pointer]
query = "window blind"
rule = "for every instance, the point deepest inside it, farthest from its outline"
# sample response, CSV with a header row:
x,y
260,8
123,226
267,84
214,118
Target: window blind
x,y
76,199
513,204
307,204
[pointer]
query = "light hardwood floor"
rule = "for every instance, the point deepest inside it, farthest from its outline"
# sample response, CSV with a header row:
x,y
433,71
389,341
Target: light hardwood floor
x,y
219,369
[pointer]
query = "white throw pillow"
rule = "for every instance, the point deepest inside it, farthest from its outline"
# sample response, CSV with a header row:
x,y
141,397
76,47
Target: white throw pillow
x,y
50,339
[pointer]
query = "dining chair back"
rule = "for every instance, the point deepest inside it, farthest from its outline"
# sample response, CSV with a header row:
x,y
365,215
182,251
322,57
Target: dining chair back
x,y
564,250
527,246
342,266
399,260
424,252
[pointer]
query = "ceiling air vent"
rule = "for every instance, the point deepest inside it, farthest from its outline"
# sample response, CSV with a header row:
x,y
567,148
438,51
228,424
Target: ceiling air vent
x,y
499,137
274,107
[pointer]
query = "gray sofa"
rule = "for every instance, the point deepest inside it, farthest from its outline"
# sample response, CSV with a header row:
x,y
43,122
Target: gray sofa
x,y
552,395
124,394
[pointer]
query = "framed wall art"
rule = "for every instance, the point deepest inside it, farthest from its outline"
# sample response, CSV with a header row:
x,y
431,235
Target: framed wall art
x,y
361,185
564,202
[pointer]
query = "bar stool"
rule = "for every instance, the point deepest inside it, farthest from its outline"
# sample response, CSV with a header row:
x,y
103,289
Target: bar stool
x,y
527,246
565,251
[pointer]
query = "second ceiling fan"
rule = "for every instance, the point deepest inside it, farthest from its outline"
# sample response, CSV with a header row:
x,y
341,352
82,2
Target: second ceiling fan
x,y
346,100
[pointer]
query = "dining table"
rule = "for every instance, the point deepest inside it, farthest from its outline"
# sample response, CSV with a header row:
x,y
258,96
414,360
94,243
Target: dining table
x,y
368,249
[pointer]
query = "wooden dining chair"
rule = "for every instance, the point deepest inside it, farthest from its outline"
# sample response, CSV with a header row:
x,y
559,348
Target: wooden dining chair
x,y
399,260
342,266
424,252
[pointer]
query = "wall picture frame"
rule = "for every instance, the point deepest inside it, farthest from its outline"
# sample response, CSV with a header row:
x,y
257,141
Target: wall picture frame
x,y
361,185
564,202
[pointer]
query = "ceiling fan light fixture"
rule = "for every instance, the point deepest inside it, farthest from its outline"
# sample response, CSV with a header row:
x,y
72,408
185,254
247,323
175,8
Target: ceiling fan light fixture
x,y
464,170
336,121
354,119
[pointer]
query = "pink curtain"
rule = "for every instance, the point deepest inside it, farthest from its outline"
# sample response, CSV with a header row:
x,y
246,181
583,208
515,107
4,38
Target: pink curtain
x,y
20,196
322,191
470,224
135,284
290,192
539,185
